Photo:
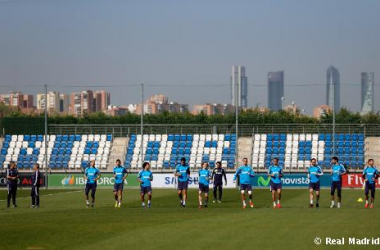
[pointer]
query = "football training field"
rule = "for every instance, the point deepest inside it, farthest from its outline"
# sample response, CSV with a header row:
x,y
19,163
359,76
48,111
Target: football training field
x,y
63,222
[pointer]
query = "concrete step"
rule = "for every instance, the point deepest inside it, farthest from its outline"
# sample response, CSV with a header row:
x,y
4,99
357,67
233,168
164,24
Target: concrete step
x,y
119,148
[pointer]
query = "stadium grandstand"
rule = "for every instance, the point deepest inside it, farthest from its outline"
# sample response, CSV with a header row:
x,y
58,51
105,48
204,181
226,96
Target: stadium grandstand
x,y
72,153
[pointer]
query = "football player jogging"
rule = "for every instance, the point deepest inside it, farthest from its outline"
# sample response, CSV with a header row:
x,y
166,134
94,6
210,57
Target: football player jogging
x,y
204,181
145,177
245,173
183,173
336,180
12,182
314,173
217,176
370,174
35,192
120,174
91,175
275,173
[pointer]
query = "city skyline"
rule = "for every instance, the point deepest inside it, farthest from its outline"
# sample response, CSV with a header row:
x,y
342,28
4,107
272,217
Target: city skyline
x,y
88,101
178,44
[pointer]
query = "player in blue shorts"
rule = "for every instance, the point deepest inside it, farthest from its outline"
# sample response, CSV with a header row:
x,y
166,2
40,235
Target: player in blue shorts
x,y
204,181
275,173
145,177
245,173
182,171
337,171
314,173
91,175
370,174
120,174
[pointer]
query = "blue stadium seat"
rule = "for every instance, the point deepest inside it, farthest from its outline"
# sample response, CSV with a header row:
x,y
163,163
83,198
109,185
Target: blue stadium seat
x,y
190,137
52,165
84,164
177,137
321,137
227,137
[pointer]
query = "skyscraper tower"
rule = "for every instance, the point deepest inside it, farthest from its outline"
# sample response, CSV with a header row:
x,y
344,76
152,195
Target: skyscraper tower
x,y
239,87
368,84
333,81
275,90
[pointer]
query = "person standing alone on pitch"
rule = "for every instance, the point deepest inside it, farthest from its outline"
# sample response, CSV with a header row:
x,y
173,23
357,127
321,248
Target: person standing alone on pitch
x,y
145,177
182,171
314,173
91,175
12,182
336,184
217,176
204,182
370,174
245,173
275,173
35,193
120,174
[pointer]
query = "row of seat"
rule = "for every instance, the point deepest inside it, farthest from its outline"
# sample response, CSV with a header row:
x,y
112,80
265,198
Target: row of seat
x,y
63,151
296,150
309,137
57,138
166,151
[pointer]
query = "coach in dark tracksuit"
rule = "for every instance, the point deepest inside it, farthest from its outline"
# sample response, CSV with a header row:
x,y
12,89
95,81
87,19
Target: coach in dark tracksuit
x,y
12,177
217,176
35,194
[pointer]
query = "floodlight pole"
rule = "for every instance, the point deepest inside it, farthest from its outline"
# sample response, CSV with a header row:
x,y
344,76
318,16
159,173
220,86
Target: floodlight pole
x,y
333,113
46,133
142,123
237,123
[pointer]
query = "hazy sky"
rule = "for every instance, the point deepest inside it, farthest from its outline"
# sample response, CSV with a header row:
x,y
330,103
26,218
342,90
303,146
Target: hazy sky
x,y
93,42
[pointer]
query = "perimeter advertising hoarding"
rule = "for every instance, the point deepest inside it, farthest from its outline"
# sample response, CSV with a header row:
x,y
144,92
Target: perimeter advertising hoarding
x,y
355,180
78,181
25,180
167,180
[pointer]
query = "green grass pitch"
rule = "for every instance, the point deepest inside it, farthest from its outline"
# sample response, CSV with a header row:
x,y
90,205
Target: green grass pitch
x,y
63,222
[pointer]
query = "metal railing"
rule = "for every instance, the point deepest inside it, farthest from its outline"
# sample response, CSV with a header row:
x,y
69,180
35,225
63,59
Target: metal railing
x,y
123,130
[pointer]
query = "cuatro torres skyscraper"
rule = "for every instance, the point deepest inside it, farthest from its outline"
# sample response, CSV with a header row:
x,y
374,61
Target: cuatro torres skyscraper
x,y
333,88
